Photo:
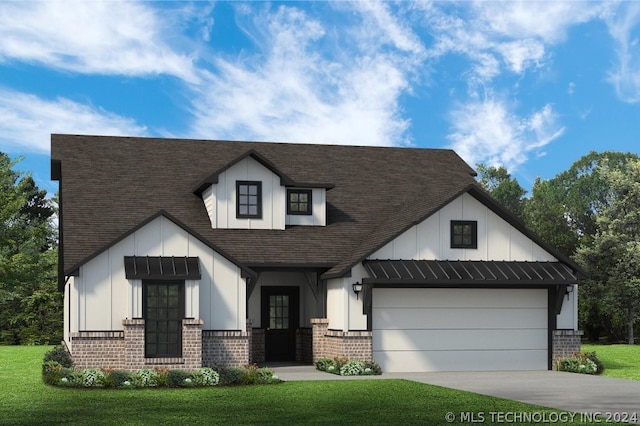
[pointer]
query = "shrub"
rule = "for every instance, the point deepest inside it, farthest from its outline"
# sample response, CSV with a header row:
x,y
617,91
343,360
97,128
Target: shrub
x,y
324,363
53,372
578,363
373,367
352,368
92,377
593,357
60,355
205,377
144,377
230,375
177,378
119,379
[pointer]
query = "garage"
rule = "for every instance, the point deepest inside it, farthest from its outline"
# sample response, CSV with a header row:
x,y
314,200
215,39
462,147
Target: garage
x,y
460,329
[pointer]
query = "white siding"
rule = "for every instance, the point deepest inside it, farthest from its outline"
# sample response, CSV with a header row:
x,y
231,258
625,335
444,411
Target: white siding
x,y
567,319
460,329
431,239
221,200
101,296
344,310
318,216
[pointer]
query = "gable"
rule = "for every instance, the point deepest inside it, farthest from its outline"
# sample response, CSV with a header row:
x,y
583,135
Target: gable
x,y
497,239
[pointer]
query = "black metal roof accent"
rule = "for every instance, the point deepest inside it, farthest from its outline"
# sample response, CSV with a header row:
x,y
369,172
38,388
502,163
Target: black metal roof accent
x,y
468,273
161,268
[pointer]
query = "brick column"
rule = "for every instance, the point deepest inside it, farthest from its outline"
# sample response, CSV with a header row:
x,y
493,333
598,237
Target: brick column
x,y
565,343
320,327
192,343
133,343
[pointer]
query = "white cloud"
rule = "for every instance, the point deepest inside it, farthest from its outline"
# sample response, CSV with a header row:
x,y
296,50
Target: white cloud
x,y
27,121
488,132
307,86
625,30
95,37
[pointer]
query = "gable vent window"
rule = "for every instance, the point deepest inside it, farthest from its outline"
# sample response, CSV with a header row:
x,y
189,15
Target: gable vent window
x,y
249,200
299,201
464,234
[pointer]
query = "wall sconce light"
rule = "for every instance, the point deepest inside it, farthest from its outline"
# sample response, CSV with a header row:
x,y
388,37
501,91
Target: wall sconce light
x,y
568,291
357,288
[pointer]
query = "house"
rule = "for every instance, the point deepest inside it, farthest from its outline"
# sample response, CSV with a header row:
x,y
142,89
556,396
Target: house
x,y
184,253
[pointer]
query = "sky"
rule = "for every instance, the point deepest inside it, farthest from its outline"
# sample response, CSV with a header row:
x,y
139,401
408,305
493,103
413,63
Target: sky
x,y
531,86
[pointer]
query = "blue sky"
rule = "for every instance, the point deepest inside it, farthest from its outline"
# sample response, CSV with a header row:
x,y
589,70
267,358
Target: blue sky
x,y
531,86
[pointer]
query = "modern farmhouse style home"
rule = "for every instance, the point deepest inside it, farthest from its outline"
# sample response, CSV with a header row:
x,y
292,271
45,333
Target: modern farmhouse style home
x,y
190,253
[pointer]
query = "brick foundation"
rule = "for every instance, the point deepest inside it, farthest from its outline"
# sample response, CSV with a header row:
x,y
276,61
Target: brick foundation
x,y
228,347
98,349
565,343
335,343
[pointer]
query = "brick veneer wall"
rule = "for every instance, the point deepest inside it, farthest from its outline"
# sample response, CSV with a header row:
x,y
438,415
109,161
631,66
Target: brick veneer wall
x,y
228,347
304,345
335,343
98,349
565,343
257,345
124,350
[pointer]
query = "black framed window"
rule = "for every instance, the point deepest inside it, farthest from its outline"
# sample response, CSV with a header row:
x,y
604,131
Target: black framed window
x,y
163,311
248,199
299,201
464,234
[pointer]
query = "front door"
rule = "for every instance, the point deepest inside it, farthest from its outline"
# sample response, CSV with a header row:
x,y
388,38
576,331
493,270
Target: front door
x,y
280,321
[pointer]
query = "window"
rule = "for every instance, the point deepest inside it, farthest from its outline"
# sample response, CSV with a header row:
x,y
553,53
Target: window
x,y
464,234
249,199
298,201
163,310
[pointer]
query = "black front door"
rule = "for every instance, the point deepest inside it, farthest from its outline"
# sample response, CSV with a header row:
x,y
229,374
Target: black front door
x,y
280,321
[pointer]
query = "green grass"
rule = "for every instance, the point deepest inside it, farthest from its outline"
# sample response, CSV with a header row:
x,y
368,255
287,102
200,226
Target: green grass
x,y
620,361
24,399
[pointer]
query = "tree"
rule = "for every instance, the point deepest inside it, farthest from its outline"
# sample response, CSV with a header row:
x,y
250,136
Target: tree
x,y
30,305
506,190
613,255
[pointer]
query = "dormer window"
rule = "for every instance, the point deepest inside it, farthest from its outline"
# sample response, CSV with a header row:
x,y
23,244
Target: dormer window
x,y
299,201
249,200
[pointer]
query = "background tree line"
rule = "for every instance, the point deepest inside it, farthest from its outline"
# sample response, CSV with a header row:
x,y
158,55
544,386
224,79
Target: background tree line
x,y
30,303
591,213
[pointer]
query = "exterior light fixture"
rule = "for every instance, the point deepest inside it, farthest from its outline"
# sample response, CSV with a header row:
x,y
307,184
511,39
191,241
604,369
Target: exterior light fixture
x,y
357,288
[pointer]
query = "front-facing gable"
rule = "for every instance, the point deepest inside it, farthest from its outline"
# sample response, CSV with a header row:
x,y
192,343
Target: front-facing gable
x,y
222,196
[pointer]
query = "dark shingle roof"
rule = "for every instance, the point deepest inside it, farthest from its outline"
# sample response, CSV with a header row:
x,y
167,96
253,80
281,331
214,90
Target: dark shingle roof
x,y
112,184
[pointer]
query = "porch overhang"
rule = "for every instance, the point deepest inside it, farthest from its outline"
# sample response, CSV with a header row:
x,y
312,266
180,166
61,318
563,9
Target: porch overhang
x,y
468,273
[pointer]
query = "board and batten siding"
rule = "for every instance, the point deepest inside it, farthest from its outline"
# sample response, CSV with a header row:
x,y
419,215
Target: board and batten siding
x,y
220,200
101,296
431,239
344,309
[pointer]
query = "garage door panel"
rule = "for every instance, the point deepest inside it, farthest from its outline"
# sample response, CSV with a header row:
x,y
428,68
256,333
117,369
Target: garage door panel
x,y
460,329
418,318
463,298
439,340
409,361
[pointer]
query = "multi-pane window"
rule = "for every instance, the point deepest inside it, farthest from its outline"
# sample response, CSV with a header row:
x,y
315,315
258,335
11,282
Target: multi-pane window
x,y
298,201
249,199
279,312
464,234
163,313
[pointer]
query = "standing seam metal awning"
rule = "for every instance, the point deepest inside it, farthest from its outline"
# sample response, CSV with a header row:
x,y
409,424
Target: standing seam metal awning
x,y
161,268
465,272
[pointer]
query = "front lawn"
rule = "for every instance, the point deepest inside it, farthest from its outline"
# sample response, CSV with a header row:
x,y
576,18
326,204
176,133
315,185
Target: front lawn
x,y
26,400
620,361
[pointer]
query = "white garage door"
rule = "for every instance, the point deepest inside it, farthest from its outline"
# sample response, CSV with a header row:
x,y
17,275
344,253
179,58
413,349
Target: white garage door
x,y
434,329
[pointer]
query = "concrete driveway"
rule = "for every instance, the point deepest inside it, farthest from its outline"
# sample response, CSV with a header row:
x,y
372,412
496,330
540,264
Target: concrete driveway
x,y
579,393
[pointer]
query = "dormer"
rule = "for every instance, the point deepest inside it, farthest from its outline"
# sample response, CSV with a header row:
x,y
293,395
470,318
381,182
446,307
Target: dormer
x,y
252,193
